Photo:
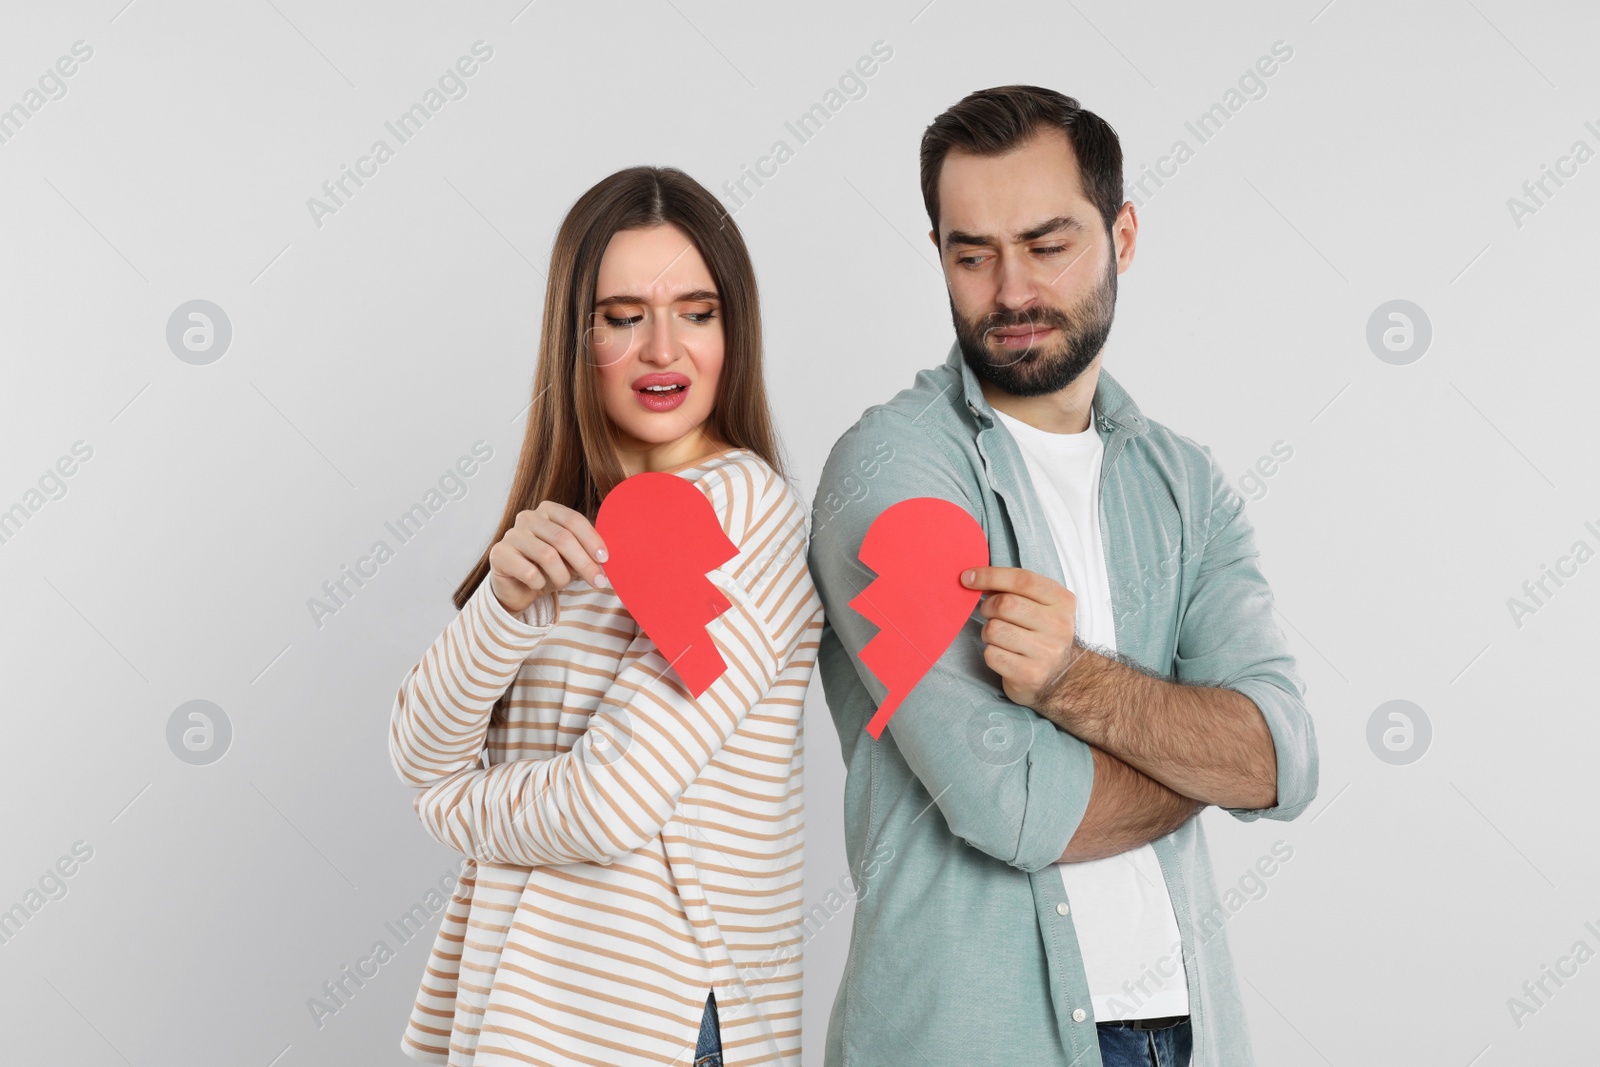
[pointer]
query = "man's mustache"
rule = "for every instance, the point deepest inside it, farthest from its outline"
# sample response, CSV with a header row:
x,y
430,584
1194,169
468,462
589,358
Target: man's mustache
x,y
1002,321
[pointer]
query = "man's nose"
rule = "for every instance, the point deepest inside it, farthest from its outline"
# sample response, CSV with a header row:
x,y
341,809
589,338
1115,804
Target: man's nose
x,y
1017,286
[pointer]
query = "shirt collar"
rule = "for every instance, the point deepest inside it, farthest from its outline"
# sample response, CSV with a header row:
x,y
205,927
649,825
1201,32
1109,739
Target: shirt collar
x,y
1114,408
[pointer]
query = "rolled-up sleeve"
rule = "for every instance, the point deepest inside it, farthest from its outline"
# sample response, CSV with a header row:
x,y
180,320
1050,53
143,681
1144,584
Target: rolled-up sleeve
x,y
1006,781
1229,638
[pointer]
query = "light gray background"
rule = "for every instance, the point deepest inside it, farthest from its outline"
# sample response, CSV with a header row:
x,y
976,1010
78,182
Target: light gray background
x,y
369,353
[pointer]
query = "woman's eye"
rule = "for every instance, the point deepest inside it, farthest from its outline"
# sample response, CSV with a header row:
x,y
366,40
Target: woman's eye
x,y
701,317
632,321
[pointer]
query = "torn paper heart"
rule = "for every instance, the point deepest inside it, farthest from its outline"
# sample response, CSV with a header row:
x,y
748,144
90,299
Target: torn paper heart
x,y
918,549
662,536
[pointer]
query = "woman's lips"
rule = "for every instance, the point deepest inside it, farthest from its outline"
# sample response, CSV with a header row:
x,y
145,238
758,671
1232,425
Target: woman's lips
x,y
662,400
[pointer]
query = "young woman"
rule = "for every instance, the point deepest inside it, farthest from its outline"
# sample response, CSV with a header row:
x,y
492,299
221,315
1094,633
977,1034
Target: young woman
x,y
635,852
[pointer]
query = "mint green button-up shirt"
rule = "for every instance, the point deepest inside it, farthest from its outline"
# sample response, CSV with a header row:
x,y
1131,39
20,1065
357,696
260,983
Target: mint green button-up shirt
x,y
963,949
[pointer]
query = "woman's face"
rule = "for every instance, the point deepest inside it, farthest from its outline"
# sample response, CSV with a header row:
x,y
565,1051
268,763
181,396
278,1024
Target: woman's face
x,y
656,342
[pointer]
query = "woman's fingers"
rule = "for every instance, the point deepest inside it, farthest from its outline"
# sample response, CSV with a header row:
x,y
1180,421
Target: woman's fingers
x,y
513,577
577,540
524,539
557,544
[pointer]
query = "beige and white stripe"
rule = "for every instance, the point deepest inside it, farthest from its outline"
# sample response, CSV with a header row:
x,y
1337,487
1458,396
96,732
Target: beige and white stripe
x,y
634,847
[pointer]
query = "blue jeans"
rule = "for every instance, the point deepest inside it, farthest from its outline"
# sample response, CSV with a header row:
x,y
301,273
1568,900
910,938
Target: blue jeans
x,y
1123,1046
708,1050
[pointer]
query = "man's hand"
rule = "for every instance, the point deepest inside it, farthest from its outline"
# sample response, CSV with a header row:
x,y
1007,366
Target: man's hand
x,y
1205,742
1029,639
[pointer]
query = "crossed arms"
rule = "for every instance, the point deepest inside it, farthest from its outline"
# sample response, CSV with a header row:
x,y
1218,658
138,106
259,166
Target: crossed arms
x,y
1162,751
1116,756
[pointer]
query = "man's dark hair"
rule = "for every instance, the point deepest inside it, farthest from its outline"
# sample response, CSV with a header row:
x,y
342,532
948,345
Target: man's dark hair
x,y
992,121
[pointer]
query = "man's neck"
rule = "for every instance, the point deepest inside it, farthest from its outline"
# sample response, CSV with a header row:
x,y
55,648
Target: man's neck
x,y
1063,411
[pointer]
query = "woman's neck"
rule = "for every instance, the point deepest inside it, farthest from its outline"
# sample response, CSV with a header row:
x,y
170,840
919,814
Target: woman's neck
x,y
638,457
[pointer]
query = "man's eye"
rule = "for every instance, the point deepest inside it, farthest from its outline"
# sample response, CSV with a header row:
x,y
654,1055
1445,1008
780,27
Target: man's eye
x,y
1051,250
632,321
969,261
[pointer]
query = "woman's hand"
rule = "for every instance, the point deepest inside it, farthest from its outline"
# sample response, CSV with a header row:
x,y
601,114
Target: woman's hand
x,y
542,552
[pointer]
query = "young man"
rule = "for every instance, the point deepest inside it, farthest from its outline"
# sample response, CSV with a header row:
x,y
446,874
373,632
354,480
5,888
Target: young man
x,y
1048,899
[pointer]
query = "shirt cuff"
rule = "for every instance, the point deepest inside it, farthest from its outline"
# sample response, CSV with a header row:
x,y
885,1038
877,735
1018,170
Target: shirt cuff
x,y
1060,779
530,624
1294,743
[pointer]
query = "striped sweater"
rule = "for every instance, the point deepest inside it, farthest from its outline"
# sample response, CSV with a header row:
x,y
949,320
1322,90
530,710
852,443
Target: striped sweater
x,y
632,847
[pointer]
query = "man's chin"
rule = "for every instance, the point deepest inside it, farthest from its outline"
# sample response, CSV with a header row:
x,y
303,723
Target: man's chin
x,y
1029,367
1032,356
1027,371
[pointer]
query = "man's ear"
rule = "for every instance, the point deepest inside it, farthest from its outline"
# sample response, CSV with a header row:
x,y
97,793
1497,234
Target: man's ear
x,y
934,237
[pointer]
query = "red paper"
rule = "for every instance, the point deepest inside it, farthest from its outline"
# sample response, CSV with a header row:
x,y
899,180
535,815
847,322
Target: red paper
x,y
918,549
662,536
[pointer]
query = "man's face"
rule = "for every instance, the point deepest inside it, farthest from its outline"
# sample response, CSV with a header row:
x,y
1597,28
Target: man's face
x,y
1031,270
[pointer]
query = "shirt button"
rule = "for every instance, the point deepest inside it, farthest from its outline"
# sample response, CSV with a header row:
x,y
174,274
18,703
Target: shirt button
x,y
1078,1015
1062,909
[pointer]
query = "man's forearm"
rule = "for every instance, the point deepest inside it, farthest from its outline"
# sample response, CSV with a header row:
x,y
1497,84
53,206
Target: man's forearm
x,y
1126,809
1204,742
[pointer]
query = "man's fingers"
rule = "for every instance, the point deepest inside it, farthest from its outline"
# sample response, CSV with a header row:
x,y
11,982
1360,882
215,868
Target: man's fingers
x,y
1017,580
1015,639
1017,608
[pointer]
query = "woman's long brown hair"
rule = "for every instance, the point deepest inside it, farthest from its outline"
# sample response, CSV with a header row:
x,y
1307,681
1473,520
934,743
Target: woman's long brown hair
x,y
567,450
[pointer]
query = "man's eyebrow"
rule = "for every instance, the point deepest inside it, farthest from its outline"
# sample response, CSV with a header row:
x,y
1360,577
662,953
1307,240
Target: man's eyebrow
x,y
629,298
1060,222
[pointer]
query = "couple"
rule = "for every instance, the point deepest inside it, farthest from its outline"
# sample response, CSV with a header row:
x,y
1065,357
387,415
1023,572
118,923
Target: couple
x,y
1033,885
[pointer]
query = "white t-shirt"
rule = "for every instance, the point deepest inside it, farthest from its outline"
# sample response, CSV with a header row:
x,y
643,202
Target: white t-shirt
x,y
1127,931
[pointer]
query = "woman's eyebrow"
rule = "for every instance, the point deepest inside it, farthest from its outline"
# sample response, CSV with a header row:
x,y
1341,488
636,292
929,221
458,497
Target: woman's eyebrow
x,y
629,298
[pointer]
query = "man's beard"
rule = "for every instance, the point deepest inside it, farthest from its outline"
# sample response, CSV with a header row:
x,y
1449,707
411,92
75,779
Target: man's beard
x,y
1035,371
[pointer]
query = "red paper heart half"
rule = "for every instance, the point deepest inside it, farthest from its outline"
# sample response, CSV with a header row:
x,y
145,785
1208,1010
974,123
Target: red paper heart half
x,y
662,535
918,549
